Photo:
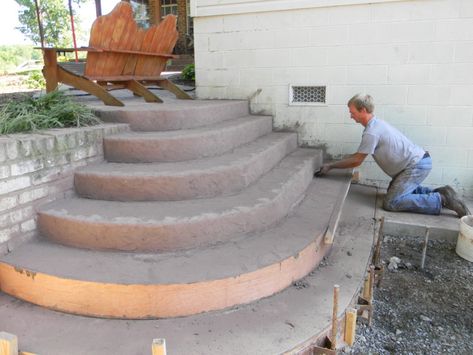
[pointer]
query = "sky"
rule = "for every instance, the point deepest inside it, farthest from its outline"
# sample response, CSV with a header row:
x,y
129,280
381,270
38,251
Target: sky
x,y
9,19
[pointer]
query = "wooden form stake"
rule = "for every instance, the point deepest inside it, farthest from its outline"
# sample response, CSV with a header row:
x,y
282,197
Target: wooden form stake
x,y
424,249
8,344
350,326
336,291
377,251
159,347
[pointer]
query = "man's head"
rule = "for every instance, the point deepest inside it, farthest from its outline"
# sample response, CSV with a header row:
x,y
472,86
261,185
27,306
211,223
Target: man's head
x,y
361,107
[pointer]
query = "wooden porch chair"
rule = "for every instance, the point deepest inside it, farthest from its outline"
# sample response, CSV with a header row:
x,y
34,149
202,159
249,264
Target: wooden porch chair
x,y
120,55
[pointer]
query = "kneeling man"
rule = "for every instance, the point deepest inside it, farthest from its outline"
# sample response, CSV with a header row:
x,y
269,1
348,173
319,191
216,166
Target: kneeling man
x,y
406,163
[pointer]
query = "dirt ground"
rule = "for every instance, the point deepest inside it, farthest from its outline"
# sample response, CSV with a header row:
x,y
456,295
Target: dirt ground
x,y
418,311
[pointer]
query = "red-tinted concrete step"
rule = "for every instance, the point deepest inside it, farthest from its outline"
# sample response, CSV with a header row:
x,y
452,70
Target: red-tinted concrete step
x,y
172,225
180,145
210,177
125,285
173,115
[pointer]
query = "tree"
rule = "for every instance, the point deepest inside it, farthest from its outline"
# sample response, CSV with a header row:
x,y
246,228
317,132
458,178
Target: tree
x,y
55,20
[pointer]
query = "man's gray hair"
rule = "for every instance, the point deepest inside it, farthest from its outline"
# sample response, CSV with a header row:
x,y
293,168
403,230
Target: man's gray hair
x,y
362,101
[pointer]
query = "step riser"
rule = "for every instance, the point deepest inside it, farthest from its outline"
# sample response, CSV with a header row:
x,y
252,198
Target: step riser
x,y
204,184
158,301
203,230
208,144
164,120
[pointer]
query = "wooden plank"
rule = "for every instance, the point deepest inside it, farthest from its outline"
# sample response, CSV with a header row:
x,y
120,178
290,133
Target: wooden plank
x,y
350,326
8,344
141,90
336,213
159,347
169,86
336,291
50,70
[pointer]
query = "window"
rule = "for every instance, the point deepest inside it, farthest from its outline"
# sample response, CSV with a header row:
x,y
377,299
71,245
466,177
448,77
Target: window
x,y
168,7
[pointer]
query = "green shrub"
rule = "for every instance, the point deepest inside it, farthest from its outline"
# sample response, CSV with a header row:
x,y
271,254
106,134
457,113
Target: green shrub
x,y
52,110
188,73
35,80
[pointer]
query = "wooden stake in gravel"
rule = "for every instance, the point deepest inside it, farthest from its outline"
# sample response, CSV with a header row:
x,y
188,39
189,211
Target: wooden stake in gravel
x,y
333,341
159,347
8,344
424,249
377,251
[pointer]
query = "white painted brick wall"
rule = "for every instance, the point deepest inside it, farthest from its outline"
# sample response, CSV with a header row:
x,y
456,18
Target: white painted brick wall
x,y
38,168
415,57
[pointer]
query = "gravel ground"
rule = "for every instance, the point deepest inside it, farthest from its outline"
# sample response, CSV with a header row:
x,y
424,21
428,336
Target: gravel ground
x,y
418,311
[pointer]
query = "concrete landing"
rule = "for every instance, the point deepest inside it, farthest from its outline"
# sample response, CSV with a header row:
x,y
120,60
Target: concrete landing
x,y
269,326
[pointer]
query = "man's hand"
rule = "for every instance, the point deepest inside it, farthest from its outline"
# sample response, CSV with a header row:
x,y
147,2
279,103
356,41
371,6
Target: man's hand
x,y
324,169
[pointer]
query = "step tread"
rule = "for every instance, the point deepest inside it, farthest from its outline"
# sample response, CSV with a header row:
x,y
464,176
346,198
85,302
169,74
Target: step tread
x,y
192,132
239,156
231,259
165,212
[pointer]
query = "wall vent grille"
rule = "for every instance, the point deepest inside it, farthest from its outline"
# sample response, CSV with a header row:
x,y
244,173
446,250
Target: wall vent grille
x,y
312,95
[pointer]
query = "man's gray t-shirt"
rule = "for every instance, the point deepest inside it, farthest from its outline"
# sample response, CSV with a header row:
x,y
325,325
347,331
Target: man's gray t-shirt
x,y
391,149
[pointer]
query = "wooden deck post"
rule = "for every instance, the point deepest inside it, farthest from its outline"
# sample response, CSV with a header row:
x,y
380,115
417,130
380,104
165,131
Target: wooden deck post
x,y
8,344
159,346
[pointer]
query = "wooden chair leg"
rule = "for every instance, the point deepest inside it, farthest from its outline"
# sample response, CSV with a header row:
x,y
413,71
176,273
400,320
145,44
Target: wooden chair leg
x,y
141,90
88,86
169,86
50,69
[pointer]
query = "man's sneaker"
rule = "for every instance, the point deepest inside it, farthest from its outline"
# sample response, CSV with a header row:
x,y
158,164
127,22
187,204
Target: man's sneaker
x,y
451,201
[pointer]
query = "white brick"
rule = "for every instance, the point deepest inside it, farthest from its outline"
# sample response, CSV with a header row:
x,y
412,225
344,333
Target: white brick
x,y
455,30
205,92
367,74
12,149
425,135
16,216
258,39
7,233
208,25
32,195
258,77
470,159
458,73
404,115
224,41
271,58
209,60
339,95
26,166
14,184
201,43
347,14
237,23
395,11
3,153
328,35
273,20
291,38
221,77
309,56
7,203
466,8
310,18
446,156
461,95
46,175
431,52
464,51
317,75
458,176
238,59
368,54
343,133
460,137
28,226
4,171
429,95
450,116
391,32
388,94
409,74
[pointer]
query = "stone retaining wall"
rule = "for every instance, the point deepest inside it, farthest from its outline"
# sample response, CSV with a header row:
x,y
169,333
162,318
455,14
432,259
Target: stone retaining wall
x,y
38,168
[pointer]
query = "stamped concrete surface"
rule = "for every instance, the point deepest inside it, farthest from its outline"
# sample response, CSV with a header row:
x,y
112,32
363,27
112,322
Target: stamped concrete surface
x,y
269,326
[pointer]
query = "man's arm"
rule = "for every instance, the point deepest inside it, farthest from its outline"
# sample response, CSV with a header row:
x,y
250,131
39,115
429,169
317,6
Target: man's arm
x,y
352,161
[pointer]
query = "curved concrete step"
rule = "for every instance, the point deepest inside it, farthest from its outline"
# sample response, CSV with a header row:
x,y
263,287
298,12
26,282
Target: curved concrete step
x,y
146,147
124,285
204,178
172,115
171,225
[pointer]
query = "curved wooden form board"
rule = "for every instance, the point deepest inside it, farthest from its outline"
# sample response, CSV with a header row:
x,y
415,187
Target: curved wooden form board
x,y
160,300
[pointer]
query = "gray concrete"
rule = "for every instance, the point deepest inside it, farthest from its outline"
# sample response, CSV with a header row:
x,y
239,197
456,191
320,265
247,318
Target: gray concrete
x,y
269,326
171,225
203,178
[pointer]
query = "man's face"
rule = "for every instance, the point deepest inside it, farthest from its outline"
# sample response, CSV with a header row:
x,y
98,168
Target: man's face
x,y
355,114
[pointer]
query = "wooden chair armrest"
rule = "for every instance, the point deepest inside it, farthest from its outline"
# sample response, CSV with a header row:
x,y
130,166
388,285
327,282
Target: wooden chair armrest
x,y
125,51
